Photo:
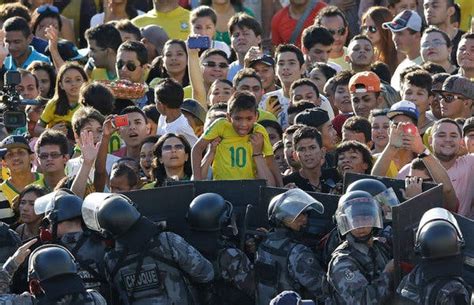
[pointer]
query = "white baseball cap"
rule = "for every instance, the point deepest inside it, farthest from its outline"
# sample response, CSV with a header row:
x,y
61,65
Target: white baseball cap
x,y
407,19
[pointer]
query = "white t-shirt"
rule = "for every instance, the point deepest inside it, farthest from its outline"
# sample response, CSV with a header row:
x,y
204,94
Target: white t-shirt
x,y
73,166
395,81
98,19
178,126
284,102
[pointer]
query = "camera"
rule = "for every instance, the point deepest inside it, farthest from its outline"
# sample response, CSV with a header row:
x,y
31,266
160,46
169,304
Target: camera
x,y
13,115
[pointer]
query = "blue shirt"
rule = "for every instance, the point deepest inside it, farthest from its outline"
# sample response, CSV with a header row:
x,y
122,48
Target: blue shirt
x,y
10,64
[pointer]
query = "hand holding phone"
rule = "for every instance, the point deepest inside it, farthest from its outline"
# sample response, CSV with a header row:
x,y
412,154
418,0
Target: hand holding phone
x,y
199,42
410,129
120,121
273,105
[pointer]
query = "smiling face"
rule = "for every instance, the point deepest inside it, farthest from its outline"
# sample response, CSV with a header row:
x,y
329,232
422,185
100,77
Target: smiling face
x,y
146,158
214,67
173,154
220,92
18,160
174,58
380,125
288,68
242,39
305,92
342,99
243,121
351,161
446,141
465,54
71,83
266,73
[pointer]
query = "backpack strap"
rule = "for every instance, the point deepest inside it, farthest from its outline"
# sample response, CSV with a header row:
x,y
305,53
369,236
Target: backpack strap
x,y
299,26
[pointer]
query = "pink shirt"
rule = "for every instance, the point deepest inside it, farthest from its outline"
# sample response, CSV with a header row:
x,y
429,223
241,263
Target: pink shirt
x,y
463,184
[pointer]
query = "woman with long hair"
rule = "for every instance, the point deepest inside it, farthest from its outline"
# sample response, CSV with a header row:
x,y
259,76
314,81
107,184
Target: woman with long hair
x,y
30,222
381,38
172,64
46,75
172,159
59,110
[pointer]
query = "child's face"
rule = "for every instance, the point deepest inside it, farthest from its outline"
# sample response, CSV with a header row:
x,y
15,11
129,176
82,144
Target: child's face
x,y
71,83
242,39
146,158
243,121
288,68
280,160
305,92
342,99
119,184
204,26
266,73
220,93
136,131
273,135
419,96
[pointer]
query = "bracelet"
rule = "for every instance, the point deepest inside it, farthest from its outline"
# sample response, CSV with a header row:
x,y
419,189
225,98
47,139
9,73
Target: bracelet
x,y
256,155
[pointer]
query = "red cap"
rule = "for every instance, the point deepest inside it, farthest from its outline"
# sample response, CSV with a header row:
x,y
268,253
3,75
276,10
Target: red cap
x,y
364,82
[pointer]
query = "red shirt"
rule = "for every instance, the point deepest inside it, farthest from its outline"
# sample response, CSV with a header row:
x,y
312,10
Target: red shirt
x,y
283,25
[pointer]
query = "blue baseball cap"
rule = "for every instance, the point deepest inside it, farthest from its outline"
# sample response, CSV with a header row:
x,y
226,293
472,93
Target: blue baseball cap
x,y
404,108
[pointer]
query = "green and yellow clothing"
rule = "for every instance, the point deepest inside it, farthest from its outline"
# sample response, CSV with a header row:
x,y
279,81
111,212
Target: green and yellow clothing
x,y
233,159
50,118
101,74
11,192
175,23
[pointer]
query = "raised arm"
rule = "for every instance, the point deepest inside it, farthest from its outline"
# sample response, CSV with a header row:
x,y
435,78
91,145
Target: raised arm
x,y
195,77
196,157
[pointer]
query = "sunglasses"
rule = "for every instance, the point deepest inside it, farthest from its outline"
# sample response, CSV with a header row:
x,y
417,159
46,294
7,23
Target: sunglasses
x,y
131,66
169,148
368,28
448,98
339,32
53,155
47,7
212,64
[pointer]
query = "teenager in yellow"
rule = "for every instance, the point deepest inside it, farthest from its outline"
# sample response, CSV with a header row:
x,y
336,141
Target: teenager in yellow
x,y
59,110
17,157
244,151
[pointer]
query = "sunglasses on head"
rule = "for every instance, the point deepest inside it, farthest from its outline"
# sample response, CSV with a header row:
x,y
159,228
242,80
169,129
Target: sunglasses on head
x,y
131,66
368,28
47,7
339,32
212,64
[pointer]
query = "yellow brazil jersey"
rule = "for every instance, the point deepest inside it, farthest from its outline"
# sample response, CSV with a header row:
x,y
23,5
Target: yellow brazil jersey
x,y
49,118
467,13
233,159
11,192
101,74
175,23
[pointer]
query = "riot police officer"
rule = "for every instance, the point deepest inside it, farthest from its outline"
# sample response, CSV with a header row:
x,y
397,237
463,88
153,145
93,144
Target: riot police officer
x,y
147,265
62,210
437,279
209,216
360,271
52,276
282,261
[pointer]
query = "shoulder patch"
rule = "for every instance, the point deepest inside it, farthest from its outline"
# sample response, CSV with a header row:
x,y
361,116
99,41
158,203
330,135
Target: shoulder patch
x,y
349,275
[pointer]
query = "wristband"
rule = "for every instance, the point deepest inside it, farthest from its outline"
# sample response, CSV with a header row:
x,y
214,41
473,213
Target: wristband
x,y
424,154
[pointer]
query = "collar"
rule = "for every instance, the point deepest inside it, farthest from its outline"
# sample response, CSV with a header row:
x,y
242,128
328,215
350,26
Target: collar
x,y
361,247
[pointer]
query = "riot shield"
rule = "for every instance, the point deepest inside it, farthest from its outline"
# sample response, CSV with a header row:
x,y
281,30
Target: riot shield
x,y
406,218
396,184
167,204
467,228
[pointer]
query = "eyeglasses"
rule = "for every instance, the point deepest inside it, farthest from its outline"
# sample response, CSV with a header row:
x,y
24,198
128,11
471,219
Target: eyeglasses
x,y
212,64
131,66
339,32
168,148
368,28
433,44
448,98
47,7
53,155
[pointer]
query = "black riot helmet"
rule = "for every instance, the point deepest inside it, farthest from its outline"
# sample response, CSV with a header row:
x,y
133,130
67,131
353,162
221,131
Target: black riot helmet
x,y
107,213
209,212
438,235
386,197
49,261
357,209
289,205
59,206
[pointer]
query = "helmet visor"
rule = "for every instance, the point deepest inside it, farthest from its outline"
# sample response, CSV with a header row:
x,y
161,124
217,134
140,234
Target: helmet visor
x,y
387,199
90,208
358,213
44,203
294,202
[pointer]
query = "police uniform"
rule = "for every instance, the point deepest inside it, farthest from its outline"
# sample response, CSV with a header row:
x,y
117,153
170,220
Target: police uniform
x,y
160,274
284,264
89,253
87,297
355,273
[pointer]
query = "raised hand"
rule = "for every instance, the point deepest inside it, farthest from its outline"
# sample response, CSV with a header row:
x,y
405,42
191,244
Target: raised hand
x,y
89,150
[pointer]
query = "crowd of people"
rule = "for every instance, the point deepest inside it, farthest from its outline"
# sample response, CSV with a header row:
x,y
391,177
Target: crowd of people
x,y
112,96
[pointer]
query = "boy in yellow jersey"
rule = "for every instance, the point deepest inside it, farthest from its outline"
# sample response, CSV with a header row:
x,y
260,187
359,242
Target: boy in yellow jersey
x,y
245,151
17,157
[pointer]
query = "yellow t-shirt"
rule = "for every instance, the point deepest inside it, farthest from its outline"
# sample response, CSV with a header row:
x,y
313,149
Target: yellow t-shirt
x,y
467,13
101,74
233,159
341,61
392,171
188,92
175,23
11,192
49,118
